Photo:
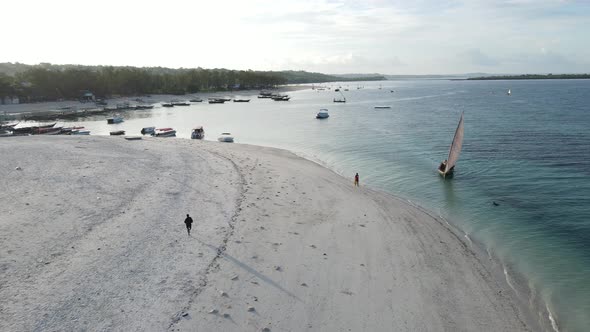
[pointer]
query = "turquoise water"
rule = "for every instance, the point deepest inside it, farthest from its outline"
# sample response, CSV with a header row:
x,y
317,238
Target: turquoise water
x,y
529,152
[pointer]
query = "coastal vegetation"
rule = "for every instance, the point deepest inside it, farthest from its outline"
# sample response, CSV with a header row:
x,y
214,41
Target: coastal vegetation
x,y
45,82
533,77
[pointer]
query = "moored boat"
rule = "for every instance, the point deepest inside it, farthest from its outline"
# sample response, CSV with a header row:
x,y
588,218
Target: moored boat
x,y
180,103
167,105
115,119
198,133
216,101
322,114
132,138
196,100
80,132
117,132
241,100
382,107
281,98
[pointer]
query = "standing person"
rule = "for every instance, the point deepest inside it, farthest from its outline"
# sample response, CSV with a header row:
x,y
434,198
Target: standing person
x,y
356,179
189,222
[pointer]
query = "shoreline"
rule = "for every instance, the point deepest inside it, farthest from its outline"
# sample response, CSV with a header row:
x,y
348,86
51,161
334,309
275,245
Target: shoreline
x,y
252,173
53,109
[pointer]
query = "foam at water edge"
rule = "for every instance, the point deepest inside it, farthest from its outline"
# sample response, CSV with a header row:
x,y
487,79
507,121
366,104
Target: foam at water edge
x,y
553,322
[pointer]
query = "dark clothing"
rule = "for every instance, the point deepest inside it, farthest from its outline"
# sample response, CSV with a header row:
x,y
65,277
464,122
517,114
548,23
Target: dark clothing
x,y
189,222
356,179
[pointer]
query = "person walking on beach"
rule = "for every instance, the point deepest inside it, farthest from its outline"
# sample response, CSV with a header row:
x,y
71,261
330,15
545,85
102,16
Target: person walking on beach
x,y
356,179
189,222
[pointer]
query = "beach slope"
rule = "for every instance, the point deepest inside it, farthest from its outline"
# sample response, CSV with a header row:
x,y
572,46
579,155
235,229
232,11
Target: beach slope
x,y
92,238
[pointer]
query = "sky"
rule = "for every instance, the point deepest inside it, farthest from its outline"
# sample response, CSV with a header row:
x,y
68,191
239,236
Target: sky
x,y
328,36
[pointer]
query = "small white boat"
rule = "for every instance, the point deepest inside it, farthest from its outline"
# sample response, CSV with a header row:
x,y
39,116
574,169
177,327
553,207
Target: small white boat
x,y
382,107
80,132
198,133
322,114
164,132
226,137
509,92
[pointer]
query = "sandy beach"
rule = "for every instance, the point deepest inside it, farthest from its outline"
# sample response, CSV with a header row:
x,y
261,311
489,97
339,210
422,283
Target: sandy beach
x,y
92,238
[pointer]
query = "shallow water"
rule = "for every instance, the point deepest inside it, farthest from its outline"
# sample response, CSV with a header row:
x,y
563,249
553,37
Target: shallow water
x,y
528,152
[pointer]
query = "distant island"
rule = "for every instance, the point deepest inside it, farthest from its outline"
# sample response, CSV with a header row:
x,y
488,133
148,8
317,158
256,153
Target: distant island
x,y
48,82
532,77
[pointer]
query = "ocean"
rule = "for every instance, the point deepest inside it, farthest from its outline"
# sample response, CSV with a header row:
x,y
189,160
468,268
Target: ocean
x,y
528,152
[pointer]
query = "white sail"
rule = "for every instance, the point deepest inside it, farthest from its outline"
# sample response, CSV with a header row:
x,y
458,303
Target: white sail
x,y
456,146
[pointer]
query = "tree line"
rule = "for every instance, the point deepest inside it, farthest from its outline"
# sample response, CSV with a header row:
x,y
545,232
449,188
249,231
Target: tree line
x,y
46,82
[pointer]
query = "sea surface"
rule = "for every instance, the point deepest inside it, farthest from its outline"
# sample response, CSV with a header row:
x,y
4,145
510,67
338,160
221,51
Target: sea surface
x,y
528,152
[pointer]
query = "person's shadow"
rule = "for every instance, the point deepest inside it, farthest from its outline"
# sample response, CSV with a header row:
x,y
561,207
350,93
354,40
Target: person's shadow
x,y
249,269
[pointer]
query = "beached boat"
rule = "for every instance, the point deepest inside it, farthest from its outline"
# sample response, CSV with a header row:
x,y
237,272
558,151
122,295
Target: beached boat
x,y
241,100
265,96
132,138
30,130
148,130
196,100
216,101
180,103
115,119
339,100
117,132
80,132
164,132
447,167
198,133
322,114
382,107
226,137
48,131
167,105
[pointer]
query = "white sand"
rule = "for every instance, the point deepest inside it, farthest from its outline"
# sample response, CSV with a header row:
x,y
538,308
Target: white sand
x,y
92,238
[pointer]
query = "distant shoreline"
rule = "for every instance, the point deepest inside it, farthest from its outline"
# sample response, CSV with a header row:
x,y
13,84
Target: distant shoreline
x,y
530,77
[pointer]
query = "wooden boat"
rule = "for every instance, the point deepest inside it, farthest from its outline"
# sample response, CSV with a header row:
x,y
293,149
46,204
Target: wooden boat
x,y
30,130
132,138
216,101
339,100
47,131
382,107
447,167
117,132
167,105
164,132
265,96
241,100
196,100
198,133
180,103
